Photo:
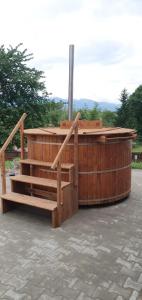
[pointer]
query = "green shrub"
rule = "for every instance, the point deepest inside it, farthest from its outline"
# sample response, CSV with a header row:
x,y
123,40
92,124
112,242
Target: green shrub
x,y
136,165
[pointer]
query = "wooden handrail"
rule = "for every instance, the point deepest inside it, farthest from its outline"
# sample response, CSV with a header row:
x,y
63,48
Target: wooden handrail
x,y
19,125
9,139
58,156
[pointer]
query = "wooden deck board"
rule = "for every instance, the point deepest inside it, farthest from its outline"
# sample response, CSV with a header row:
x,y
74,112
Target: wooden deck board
x,y
30,200
39,181
44,163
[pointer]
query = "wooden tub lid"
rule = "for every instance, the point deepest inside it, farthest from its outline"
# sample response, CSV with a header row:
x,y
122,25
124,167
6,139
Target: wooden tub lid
x,y
105,131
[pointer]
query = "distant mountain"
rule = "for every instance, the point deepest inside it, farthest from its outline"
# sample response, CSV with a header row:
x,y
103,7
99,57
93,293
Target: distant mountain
x,y
81,103
88,103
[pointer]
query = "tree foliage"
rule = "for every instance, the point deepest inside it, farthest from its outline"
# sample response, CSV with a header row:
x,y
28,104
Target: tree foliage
x,y
22,89
108,118
135,110
130,113
123,110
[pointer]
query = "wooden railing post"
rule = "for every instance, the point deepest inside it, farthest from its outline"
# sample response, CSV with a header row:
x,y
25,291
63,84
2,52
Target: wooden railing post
x,y
76,161
59,192
22,139
3,175
59,182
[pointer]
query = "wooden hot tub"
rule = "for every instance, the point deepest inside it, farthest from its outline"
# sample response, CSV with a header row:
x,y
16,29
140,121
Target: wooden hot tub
x,y
104,172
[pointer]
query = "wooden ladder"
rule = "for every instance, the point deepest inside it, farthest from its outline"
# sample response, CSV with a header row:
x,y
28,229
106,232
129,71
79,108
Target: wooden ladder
x,y
54,195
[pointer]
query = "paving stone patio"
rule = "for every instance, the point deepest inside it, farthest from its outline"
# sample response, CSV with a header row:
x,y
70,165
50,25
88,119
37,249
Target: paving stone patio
x,y
97,254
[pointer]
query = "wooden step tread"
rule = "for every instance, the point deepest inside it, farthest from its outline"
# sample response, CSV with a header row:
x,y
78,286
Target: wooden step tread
x,y
39,181
30,200
44,163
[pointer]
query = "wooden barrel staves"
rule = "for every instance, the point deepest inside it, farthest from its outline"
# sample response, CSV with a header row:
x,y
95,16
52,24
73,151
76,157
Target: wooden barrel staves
x,y
105,174
104,160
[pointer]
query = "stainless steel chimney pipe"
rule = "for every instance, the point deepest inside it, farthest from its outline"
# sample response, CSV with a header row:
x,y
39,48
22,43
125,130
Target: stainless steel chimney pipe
x,y
70,85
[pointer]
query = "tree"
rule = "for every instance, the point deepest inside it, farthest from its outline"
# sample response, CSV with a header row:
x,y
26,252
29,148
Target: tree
x,y
108,118
123,111
95,113
22,89
84,113
135,110
90,114
53,113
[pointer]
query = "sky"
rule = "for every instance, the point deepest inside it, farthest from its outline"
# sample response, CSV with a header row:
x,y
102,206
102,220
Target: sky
x,y
106,35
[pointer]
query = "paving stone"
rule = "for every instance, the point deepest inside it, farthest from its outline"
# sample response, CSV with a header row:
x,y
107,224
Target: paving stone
x,y
134,295
140,278
47,297
67,293
128,250
119,290
134,258
105,249
16,282
83,296
33,291
124,262
119,298
95,255
3,289
133,285
12,295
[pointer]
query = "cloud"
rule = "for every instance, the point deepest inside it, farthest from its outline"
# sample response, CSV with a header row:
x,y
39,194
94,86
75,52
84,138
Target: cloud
x,y
64,6
104,52
45,64
109,8
106,34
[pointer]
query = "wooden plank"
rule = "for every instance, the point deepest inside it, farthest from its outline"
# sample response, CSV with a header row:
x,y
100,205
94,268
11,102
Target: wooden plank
x,y
39,181
59,198
101,130
47,130
68,208
76,164
30,200
4,206
55,219
128,137
35,162
22,139
3,174
43,193
82,124
113,131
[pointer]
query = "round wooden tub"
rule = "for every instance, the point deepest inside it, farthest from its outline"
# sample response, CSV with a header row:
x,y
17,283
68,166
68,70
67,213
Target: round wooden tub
x,y
104,160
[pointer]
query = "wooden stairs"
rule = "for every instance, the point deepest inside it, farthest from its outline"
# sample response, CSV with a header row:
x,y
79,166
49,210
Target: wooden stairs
x,y
58,197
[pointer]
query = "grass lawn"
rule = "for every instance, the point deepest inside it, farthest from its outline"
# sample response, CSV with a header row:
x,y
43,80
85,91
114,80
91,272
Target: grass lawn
x,y
10,164
137,148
